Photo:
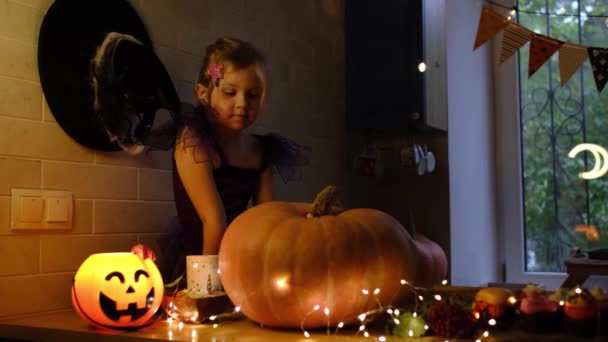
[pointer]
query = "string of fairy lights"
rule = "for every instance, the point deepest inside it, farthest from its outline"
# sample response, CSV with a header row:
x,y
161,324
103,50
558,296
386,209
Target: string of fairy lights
x,y
180,318
190,315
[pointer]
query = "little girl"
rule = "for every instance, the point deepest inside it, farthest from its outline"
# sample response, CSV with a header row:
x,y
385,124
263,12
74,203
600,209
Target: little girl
x,y
218,167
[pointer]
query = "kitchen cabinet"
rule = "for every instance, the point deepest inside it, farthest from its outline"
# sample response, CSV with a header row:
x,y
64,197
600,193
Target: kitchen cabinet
x,y
386,43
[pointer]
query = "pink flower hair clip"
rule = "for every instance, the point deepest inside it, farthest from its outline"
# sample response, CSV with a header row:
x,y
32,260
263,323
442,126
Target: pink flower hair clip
x,y
215,72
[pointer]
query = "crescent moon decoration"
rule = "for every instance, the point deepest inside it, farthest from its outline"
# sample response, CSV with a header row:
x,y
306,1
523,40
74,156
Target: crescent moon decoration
x,y
600,166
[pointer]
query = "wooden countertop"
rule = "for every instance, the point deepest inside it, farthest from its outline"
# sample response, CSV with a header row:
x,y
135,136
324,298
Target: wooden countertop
x,y
67,326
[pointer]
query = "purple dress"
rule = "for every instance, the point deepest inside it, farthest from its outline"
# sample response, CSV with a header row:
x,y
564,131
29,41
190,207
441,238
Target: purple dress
x,y
236,187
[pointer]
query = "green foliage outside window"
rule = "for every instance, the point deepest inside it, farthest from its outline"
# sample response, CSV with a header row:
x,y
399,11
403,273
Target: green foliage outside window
x,y
554,119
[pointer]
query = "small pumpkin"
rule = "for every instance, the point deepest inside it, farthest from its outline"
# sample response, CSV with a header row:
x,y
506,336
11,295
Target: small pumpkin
x,y
118,290
580,305
279,260
432,262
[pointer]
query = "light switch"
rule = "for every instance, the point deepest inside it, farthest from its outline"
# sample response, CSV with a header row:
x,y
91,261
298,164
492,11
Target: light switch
x,y
57,209
38,209
31,209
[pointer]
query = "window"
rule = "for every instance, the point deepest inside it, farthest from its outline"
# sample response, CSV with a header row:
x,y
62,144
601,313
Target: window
x,y
543,198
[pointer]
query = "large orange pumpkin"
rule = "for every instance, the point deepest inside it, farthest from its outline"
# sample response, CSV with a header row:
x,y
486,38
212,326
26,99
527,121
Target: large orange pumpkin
x,y
118,290
279,260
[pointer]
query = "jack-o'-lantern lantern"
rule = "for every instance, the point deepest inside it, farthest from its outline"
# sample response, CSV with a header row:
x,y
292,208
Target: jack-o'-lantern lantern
x,y
118,290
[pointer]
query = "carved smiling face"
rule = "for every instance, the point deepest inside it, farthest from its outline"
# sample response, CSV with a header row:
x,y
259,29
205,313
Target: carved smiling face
x,y
117,290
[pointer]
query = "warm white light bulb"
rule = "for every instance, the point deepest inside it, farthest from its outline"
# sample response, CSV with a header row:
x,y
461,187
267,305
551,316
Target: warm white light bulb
x,y
282,282
422,67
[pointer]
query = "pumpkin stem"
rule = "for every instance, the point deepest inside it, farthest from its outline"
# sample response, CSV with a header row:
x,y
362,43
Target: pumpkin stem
x,y
327,203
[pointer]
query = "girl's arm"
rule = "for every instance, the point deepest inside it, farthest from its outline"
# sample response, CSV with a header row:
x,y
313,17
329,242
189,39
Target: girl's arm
x,y
199,183
264,191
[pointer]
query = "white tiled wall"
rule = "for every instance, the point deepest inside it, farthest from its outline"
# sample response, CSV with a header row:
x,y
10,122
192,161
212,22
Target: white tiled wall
x,y
121,200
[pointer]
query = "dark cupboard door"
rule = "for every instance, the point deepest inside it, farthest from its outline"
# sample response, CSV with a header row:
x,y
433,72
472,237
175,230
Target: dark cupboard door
x,y
383,48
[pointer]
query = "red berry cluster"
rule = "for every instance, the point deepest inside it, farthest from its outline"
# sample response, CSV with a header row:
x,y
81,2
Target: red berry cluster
x,y
450,320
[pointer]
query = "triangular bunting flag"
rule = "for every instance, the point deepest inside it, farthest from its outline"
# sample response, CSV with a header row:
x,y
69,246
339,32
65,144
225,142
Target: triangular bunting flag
x,y
570,59
541,49
490,23
599,64
514,37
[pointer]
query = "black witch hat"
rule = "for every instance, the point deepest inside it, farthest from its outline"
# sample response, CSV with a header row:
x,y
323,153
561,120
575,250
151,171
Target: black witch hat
x,y
100,75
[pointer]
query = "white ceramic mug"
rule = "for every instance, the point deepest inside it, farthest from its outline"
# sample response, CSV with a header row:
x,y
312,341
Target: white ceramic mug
x,y
202,273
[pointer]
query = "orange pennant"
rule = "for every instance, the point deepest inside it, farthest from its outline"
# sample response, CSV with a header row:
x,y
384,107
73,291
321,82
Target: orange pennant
x,y
570,59
541,49
514,38
490,23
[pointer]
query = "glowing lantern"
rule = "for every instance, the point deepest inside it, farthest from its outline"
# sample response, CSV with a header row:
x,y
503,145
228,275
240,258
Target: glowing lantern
x,y
118,290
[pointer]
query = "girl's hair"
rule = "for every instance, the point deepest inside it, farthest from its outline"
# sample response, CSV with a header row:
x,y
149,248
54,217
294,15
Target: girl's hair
x,y
237,52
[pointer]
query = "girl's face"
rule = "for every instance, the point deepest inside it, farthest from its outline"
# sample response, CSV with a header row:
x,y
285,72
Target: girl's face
x,y
238,98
